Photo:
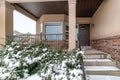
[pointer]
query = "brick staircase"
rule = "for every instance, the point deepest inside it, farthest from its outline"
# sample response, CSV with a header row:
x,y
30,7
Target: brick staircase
x,y
99,65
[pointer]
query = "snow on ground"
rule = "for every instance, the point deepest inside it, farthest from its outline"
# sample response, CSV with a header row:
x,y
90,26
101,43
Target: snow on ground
x,y
34,77
39,63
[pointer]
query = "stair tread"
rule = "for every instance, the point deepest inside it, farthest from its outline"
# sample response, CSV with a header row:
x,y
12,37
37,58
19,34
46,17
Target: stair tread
x,y
97,60
103,77
94,51
101,68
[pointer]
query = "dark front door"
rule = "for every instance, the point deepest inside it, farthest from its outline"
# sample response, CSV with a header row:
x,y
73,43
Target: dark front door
x,y
84,34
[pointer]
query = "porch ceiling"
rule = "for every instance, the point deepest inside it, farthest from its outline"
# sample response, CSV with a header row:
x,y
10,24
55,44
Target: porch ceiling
x,y
85,8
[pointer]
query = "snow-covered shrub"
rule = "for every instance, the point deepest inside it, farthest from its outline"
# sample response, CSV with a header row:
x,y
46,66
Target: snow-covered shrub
x,y
38,62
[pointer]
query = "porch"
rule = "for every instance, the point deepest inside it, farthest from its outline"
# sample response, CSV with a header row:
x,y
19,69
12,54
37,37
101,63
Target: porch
x,y
70,12
102,16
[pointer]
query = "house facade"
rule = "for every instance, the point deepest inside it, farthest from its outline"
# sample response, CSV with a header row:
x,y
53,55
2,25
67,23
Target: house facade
x,y
101,16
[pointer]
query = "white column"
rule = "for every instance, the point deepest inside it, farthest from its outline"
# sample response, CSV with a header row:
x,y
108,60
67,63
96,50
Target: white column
x,y
6,21
38,30
28,1
38,26
72,24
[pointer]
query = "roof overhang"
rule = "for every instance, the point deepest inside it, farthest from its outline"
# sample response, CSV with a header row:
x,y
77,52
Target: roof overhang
x,y
36,8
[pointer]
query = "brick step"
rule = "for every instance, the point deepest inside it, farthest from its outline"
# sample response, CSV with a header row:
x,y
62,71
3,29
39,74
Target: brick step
x,y
93,51
95,54
86,47
99,62
112,73
102,70
94,57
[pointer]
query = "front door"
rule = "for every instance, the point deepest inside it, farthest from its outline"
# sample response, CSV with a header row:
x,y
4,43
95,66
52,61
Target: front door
x,y
84,34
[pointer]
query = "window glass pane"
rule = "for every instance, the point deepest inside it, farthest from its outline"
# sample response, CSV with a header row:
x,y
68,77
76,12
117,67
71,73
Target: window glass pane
x,y
53,31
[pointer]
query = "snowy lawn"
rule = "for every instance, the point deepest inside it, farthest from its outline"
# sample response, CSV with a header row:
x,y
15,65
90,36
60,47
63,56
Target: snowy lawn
x,y
38,62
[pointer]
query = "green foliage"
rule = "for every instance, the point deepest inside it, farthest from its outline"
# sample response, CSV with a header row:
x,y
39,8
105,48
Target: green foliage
x,y
33,68
20,70
48,78
36,58
70,65
79,57
2,64
8,42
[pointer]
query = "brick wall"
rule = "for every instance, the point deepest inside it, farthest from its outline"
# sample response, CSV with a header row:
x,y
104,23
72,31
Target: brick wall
x,y
110,45
57,44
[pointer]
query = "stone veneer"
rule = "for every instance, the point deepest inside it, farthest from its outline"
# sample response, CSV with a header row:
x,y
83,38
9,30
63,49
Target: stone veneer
x,y
110,45
60,44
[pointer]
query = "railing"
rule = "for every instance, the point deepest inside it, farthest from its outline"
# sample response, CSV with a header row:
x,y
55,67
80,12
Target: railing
x,y
83,68
82,62
53,40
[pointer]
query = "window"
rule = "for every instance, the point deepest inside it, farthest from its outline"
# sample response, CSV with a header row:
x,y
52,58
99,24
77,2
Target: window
x,y
53,31
67,31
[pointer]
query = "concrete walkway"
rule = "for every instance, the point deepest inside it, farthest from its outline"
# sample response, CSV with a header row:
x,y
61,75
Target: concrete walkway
x,y
99,66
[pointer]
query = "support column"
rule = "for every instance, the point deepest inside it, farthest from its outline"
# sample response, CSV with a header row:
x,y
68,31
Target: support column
x,y
72,24
38,30
38,26
6,21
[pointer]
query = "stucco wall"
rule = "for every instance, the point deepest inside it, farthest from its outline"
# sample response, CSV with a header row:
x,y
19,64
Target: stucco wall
x,y
59,18
52,18
83,20
105,28
49,18
64,18
106,20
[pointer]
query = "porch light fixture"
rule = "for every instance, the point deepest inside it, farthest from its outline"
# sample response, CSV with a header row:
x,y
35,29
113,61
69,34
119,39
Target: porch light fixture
x,y
92,25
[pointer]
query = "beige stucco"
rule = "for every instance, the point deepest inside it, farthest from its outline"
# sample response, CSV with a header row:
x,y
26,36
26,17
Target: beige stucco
x,y
2,23
6,21
83,20
63,18
9,19
38,26
23,1
106,20
72,24
48,18
59,18
52,18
